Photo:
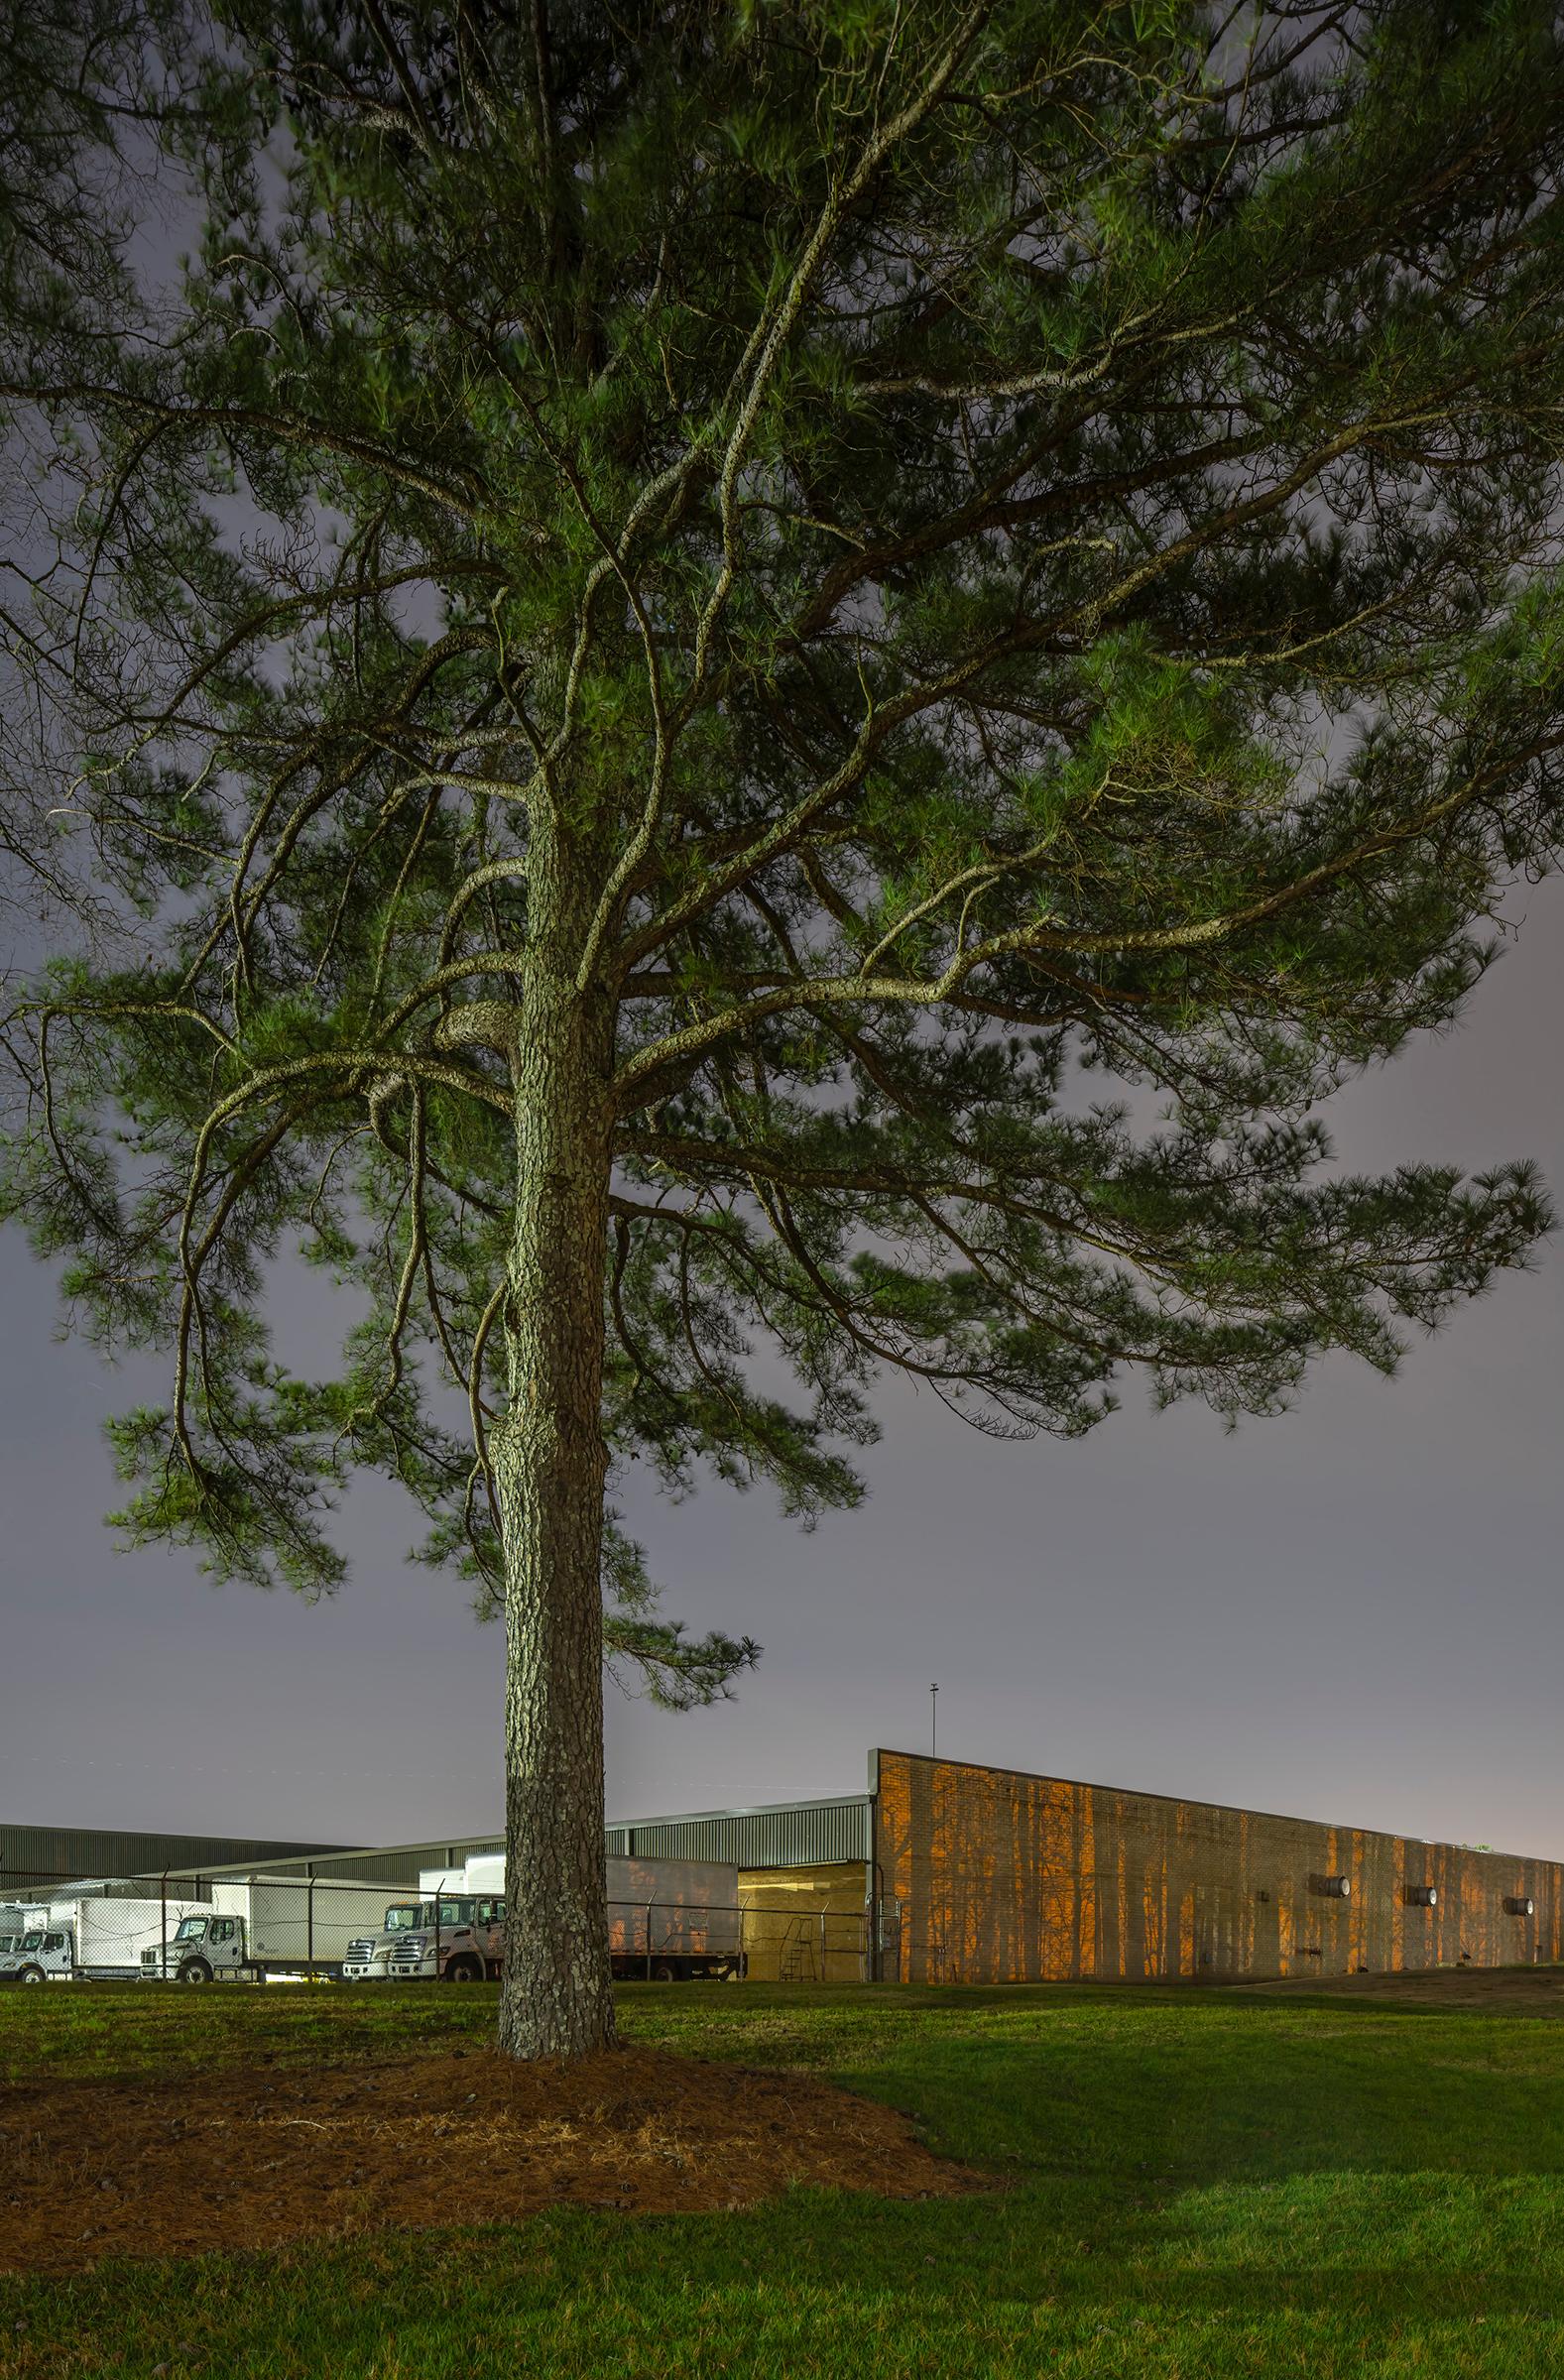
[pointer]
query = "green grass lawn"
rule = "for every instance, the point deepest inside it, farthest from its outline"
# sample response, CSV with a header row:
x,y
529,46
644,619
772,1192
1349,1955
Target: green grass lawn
x,y
1196,2185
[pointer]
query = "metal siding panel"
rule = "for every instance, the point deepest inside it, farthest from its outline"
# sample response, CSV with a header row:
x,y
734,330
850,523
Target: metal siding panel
x,y
818,1835
81,1851
394,1864
803,1835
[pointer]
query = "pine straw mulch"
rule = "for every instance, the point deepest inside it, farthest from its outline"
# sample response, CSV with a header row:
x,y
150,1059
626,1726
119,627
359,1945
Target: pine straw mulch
x,y
254,2158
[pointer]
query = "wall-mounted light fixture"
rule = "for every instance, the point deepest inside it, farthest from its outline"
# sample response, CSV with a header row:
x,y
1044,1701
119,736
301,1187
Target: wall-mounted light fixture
x,y
1335,1888
1519,1905
1422,1896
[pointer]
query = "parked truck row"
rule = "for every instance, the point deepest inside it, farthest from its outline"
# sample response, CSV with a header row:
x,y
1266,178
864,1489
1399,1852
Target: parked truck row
x,y
669,1921
87,1934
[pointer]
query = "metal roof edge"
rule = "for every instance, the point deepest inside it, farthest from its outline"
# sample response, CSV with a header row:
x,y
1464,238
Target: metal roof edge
x,y
445,1844
691,1818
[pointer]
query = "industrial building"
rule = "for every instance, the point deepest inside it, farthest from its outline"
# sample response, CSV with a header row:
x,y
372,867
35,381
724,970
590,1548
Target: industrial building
x,y
969,1874
947,1871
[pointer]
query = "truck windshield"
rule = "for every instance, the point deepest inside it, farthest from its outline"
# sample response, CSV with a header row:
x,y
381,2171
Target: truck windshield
x,y
409,1914
190,1929
33,1942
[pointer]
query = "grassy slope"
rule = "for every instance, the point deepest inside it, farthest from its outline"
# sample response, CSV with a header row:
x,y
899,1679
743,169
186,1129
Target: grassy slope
x,y
1200,2187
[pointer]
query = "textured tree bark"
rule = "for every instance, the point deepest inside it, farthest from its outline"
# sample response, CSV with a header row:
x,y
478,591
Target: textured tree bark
x,y
550,1462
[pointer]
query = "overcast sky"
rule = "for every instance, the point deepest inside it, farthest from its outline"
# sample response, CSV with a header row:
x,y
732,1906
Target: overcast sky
x,y
1353,1613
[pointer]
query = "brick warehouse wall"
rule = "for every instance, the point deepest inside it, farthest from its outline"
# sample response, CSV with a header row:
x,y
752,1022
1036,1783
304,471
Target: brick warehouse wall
x,y
1005,1878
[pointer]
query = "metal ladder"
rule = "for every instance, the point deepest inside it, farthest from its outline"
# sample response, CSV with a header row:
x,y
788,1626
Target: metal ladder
x,y
796,1960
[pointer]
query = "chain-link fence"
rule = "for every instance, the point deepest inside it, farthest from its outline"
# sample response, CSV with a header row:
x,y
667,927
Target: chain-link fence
x,y
190,1929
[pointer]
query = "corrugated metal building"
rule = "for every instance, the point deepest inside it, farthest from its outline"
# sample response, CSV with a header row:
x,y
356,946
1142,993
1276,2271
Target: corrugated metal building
x,y
33,1855
390,1863
771,1835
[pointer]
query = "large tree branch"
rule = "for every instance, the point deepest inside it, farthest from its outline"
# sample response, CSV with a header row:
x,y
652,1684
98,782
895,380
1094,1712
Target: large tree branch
x,y
683,1048
784,833
299,431
1001,1190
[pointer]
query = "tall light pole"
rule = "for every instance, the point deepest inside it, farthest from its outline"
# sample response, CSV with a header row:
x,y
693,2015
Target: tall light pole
x,y
933,1721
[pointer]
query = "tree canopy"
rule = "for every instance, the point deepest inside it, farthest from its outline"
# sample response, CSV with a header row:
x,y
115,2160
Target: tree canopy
x,y
761,681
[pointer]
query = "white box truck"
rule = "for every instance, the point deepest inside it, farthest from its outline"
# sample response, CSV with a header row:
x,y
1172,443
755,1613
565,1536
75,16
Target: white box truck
x,y
262,1928
668,1921
92,1938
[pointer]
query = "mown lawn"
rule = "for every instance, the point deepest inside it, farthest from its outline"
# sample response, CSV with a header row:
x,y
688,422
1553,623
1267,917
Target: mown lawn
x,y
1190,2186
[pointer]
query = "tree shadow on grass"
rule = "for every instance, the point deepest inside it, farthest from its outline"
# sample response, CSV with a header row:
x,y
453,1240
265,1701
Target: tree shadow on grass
x,y
1239,2090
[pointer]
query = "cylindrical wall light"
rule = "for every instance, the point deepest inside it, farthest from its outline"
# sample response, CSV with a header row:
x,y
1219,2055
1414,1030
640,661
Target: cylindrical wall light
x,y
1422,1896
1519,1905
1335,1888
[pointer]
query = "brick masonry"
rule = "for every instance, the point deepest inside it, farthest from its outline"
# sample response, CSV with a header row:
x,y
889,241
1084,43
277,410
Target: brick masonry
x,y
1004,1877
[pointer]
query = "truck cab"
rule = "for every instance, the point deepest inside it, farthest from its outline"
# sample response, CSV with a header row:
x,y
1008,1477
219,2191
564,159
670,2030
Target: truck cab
x,y
204,1947
39,1954
17,1921
452,1939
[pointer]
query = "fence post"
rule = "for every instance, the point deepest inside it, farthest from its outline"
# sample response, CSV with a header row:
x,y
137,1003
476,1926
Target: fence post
x,y
163,1926
651,1905
822,1947
309,1921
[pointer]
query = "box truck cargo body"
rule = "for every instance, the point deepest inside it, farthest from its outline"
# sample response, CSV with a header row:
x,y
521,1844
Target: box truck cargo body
x,y
292,1925
669,1920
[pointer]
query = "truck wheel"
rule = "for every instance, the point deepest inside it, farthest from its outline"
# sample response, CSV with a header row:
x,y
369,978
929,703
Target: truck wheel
x,y
195,1971
32,1975
664,1970
463,1970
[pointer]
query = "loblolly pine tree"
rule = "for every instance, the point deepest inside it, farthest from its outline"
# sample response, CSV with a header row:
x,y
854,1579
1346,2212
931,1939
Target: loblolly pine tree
x,y
681,626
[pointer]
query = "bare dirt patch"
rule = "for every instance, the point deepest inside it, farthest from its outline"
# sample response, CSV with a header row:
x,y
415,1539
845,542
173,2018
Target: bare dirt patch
x,y
1496,1991
254,2158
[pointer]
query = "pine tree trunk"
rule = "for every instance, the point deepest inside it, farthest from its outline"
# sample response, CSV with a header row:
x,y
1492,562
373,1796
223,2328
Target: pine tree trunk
x,y
550,1462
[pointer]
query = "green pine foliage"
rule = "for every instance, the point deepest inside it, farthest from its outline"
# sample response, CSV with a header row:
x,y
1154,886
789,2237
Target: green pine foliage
x,y
1011,549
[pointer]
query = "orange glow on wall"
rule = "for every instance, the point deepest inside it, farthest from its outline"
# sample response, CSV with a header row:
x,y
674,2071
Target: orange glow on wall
x,y
992,1875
